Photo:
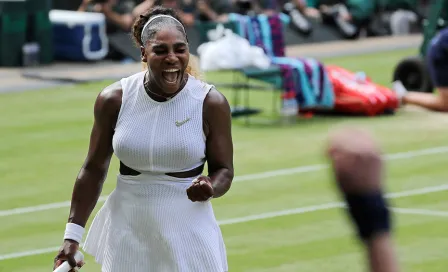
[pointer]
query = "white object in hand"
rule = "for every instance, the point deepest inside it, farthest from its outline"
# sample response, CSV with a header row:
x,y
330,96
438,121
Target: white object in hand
x,y
65,267
399,89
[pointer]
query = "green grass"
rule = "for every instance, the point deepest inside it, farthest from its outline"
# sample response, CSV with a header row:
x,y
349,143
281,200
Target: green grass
x,y
44,138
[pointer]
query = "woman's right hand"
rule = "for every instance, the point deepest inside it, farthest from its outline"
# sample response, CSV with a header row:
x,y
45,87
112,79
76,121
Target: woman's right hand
x,y
67,253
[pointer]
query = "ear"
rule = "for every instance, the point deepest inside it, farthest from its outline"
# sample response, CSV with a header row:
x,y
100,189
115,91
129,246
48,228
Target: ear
x,y
143,53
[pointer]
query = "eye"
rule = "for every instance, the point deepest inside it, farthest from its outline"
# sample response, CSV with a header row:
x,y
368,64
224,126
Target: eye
x,y
160,51
181,50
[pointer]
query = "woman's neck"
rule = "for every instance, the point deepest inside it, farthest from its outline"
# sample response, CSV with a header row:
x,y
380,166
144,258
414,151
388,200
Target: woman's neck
x,y
156,93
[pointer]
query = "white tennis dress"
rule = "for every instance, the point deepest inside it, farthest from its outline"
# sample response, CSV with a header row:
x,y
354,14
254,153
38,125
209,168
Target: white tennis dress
x,y
148,224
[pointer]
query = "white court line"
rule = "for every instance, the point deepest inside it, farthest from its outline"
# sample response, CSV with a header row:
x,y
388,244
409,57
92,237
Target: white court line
x,y
332,205
29,253
268,215
420,212
250,177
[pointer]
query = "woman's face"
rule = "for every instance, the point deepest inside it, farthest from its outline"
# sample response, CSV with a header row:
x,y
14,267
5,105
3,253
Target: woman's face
x,y
167,55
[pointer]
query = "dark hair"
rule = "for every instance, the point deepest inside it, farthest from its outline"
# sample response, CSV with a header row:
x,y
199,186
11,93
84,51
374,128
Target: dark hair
x,y
137,28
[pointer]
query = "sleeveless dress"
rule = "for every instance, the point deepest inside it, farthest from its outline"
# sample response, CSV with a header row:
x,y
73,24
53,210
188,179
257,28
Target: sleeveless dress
x,y
148,224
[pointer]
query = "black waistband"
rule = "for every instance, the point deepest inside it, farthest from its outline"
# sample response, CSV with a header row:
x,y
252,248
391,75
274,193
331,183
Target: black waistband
x,y
127,171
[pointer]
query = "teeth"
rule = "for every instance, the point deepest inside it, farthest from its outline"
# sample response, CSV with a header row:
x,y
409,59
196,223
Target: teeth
x,y
170,75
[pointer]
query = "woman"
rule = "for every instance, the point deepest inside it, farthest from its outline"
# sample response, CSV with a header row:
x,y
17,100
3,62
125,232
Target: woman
x,y
162,124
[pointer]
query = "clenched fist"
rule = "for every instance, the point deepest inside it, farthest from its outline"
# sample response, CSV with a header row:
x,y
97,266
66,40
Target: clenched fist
x,y
200,190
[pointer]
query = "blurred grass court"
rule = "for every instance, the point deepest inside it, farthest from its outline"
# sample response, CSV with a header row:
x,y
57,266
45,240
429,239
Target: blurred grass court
x,y
280,214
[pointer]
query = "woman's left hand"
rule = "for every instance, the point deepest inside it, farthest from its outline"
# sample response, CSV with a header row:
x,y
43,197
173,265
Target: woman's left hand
x,y
201,189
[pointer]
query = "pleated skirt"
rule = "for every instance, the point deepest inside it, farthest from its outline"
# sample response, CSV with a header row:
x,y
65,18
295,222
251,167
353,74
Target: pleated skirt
x,y
148,224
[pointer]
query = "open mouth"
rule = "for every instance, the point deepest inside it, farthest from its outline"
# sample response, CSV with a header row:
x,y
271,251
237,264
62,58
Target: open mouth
x,y
171,75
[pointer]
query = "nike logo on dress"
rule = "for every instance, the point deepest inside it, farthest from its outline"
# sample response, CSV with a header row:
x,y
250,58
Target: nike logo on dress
x,y
182,122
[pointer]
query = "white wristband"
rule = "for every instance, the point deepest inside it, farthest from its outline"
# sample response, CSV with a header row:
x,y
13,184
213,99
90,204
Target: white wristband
x,y
74,232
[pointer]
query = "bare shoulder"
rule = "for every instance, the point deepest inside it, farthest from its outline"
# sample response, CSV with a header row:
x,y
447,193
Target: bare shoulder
x,y
111,95
217,114
216,102
108,101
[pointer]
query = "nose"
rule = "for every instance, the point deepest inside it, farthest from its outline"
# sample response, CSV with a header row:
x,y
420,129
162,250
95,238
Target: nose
x,y
171,58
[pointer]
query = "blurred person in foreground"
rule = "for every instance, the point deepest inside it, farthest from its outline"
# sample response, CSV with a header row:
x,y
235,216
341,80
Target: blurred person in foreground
x,y
358,171
163,124
437,61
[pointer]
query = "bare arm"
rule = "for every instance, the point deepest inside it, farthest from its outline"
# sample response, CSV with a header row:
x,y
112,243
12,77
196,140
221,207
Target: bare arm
x,y
142,8
90,179
84,5
300,5
187,18
358,172
124,21
206,10
219,145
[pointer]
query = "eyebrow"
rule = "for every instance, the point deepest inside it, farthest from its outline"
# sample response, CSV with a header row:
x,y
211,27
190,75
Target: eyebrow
x,y
162,45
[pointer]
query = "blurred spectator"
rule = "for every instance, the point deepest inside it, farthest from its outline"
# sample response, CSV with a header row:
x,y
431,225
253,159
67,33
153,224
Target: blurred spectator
x,y
397,16
213,10
120,14
217,10
252,7
296,10
244,7
349,16
184,9
267,6
282,5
